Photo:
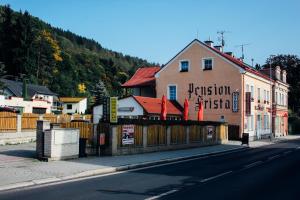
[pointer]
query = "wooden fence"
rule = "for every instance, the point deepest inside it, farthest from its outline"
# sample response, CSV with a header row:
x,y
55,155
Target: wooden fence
x,y
138,136
157,135
8,120
86,128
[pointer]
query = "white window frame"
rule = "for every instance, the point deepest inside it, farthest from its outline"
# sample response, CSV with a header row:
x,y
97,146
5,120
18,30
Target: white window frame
x,y
179,65
168,90
212,63
258,94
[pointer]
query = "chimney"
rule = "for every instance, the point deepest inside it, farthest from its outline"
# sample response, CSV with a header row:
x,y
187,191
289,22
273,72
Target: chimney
x,y
283,76
277,73
209,43
229,53
220,48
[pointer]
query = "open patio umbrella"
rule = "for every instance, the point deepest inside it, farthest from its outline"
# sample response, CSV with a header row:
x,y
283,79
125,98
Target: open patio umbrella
x,y
186,110
163,113
200,111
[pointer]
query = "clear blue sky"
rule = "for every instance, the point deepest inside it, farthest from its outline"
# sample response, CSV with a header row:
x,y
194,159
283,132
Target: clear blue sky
x,y
157,29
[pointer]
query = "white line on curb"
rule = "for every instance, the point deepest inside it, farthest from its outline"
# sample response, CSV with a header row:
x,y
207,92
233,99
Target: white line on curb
x,y
214,177
253,164
161,195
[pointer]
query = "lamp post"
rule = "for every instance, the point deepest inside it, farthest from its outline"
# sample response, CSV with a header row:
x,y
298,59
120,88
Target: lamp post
x,y
271,97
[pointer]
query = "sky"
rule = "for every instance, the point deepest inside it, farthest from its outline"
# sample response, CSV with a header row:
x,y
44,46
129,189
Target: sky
x,y
156,30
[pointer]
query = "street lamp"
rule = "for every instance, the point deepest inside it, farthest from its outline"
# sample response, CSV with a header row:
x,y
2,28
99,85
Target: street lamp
x,y
271,97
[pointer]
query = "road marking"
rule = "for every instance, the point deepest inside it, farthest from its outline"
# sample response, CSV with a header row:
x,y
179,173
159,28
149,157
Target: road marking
x,y
287,152
253,164
273,157
214,177
161,195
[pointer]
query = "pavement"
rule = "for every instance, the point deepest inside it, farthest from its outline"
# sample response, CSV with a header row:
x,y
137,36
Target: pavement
x,y
19,169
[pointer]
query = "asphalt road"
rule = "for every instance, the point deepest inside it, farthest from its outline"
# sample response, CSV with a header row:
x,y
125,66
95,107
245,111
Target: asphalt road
x,y
270,172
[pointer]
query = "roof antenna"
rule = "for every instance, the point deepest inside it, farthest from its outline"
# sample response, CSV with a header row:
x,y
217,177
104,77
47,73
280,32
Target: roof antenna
x,y
242,47
221,37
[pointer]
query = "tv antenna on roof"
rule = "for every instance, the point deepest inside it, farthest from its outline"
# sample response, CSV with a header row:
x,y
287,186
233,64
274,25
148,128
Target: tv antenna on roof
x,y
242,48
221,38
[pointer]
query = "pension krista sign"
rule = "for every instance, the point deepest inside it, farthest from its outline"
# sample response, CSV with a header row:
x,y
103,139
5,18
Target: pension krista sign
x,y
214,96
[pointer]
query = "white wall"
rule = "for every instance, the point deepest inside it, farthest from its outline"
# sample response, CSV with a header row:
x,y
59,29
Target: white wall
x,y
124,106
26,105
79,107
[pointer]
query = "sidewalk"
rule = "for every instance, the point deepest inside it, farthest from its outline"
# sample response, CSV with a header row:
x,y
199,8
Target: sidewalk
x,y
18,168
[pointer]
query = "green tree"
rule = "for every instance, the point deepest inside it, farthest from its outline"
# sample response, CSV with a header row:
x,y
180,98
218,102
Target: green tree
x,y
99,91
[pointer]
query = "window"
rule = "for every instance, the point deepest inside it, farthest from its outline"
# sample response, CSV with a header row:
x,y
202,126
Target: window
x,y
69,106
172,92
252,91
258,94
250,122
266,122
268,95
184,66
247,88
207,63
265,95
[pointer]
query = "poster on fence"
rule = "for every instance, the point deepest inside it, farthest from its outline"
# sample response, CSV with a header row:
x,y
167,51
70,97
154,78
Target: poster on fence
x,y
210,131
127,134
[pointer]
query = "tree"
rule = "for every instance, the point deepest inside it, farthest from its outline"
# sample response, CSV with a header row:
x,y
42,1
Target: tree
x,y
290,63
99,92
2,72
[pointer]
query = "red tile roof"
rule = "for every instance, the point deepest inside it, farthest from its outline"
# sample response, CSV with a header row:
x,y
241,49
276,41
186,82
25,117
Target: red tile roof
x,y
144,76
238,62
153,105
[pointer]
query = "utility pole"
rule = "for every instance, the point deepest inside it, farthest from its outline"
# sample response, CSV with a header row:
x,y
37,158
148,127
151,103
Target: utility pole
x,y
242,48
221,38
271,97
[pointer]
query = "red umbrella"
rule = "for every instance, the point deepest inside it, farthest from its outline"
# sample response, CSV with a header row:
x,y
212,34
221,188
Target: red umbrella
x,y
200,111
163,113
186,110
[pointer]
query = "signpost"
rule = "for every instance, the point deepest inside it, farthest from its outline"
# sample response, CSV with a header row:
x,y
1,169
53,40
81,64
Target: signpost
x,y
113,117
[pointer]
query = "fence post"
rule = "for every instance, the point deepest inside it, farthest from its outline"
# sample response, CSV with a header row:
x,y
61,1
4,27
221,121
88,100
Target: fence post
x,y
187,132
168,135
145,130
19,123
114,140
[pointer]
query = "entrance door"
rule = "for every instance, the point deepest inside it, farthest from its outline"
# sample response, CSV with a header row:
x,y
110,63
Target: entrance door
x,y
258,126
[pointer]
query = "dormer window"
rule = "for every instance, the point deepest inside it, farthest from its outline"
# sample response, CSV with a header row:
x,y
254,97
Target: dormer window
x,y
207,64
184,66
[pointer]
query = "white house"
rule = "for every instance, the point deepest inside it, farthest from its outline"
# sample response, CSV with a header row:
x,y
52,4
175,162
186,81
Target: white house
x,y
135,107
40,98
71,105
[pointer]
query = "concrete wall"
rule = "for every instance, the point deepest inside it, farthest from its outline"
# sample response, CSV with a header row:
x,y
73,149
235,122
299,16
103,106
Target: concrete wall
x,y
61,143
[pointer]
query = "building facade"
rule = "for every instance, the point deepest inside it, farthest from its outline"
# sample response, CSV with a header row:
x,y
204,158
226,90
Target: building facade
x,y
72,105
229,89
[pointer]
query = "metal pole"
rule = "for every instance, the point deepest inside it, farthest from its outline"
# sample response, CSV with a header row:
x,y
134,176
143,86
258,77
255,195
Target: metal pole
x,y
271,101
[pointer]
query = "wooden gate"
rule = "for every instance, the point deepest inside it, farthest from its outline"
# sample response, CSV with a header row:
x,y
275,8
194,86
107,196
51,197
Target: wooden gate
x,y
86,128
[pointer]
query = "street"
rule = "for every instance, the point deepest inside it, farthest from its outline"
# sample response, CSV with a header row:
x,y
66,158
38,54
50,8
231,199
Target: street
x,y
269,172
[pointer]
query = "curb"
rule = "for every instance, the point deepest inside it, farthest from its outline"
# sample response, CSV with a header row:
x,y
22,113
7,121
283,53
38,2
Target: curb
x,y
108,170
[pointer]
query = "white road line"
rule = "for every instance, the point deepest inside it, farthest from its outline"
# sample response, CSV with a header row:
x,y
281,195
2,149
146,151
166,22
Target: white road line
x,y
273,157
161,195
214,177
253,164
287,152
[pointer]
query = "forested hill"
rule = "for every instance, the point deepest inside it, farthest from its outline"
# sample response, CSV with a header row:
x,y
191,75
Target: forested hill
x,y
68,64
